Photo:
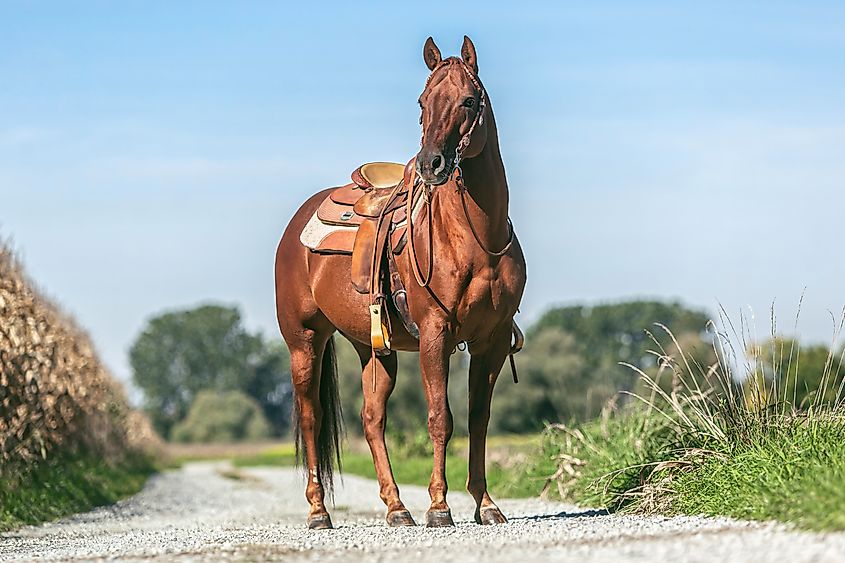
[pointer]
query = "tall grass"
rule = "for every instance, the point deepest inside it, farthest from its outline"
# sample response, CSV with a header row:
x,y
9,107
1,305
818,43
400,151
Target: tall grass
x,y
730,438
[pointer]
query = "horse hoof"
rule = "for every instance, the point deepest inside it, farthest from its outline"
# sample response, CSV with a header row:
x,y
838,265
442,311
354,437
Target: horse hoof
x,y
439,518
490,515
320,522
399,518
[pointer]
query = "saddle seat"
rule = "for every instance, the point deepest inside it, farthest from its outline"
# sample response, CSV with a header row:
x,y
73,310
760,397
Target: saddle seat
x,y
379,175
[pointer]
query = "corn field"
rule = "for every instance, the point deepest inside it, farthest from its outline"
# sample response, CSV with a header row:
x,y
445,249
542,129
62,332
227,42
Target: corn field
x,y
55,394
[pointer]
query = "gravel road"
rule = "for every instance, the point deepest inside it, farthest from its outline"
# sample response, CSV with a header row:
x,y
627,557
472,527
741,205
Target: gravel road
x,y
209,512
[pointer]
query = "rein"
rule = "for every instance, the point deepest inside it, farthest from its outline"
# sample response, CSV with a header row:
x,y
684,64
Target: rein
x,y
459,180
412,183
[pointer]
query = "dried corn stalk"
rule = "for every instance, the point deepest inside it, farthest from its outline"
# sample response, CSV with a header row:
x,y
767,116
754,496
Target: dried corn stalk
x,y
55,394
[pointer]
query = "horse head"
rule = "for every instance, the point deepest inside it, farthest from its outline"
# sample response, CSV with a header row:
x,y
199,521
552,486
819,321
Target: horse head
x,y
453,113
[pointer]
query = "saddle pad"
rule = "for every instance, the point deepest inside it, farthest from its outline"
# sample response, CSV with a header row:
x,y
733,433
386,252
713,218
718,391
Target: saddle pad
x,y
339,238
328,239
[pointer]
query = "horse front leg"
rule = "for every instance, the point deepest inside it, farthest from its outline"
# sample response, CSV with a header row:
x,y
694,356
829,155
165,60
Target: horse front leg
x,y
434,367
484,368
374,418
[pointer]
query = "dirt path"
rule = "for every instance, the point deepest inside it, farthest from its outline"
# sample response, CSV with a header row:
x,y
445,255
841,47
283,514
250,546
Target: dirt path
x,y
205,512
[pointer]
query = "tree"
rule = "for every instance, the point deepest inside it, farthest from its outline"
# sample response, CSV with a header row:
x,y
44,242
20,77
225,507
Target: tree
x,y
608,334
181,353
555,385
784,370
570,367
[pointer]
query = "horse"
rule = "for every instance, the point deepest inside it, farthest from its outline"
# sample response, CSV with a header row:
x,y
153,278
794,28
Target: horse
x,y
469,293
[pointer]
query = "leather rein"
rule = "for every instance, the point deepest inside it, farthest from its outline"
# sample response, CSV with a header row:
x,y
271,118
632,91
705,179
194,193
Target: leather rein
x,y
412,182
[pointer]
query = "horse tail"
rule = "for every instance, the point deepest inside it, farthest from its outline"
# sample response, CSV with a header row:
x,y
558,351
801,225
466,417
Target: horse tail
x,y
331,424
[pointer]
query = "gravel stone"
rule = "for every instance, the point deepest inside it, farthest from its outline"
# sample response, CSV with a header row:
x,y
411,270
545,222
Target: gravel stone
x,y
198,514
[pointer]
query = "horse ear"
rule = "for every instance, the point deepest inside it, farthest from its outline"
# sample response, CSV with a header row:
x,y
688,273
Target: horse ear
x,y
431,54
468,54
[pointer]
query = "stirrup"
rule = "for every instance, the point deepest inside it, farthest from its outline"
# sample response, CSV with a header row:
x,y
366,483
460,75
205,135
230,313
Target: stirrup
x,y
379,333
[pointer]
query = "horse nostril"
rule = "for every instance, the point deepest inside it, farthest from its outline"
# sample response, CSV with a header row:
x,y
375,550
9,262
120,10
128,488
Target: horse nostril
x,y
437,164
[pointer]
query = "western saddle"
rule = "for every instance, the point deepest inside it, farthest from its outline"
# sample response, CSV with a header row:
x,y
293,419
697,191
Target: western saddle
x,y
368,218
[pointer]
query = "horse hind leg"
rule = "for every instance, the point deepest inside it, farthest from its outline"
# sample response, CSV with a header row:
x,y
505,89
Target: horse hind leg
x,y
317,420
374,419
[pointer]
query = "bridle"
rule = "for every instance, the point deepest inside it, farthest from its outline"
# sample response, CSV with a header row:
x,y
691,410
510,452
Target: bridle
x,y
413,182
463,144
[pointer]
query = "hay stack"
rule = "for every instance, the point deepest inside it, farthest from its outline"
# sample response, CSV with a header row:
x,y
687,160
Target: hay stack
x,y
55,394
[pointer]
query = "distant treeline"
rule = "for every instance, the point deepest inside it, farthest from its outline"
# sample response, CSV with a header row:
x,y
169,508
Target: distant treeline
x,y
206,378
569,370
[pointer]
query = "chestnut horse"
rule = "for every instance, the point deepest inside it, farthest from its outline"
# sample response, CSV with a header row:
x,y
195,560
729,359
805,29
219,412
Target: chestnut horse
x,y
476,277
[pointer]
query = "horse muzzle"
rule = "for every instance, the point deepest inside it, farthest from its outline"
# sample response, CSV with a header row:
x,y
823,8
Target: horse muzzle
x,y
434,168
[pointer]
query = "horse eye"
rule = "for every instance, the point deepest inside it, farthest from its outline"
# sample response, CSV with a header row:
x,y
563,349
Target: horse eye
x,y
469,102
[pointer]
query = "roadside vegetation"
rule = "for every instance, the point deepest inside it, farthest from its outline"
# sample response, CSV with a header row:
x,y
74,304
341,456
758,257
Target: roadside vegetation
x,y
68,439
689,421
511,469
767,442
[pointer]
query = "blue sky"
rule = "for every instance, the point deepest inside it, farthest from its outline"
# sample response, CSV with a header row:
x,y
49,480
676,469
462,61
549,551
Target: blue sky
x,y
152,153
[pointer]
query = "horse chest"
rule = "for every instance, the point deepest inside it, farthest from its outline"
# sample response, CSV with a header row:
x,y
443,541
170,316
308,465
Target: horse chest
x,y
488,298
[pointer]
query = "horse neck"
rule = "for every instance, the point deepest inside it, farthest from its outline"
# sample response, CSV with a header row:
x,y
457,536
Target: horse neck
x,y
487,192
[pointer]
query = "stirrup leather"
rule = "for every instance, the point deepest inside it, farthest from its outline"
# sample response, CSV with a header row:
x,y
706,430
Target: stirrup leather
x,y
379,332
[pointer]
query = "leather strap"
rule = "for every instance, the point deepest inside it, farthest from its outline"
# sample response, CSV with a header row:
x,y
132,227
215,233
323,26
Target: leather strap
x,y
423,281
400,297
459,180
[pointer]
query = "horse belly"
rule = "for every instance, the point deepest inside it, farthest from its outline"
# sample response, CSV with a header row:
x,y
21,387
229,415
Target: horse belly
x,y
345,308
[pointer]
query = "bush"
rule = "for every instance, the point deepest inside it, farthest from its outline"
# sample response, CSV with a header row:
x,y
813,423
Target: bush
x,y
222,416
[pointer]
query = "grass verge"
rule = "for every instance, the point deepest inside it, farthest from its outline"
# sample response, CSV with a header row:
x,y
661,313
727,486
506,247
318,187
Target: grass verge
x,y
705,444
793,472
511,469
67,485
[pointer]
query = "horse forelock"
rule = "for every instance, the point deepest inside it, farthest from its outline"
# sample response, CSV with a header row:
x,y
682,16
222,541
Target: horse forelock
x,y
443,70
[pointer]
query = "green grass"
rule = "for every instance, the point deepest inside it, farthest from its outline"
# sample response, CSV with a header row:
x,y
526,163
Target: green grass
x,y
284,455
514,475
792,472
795,474
710,446
63,486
